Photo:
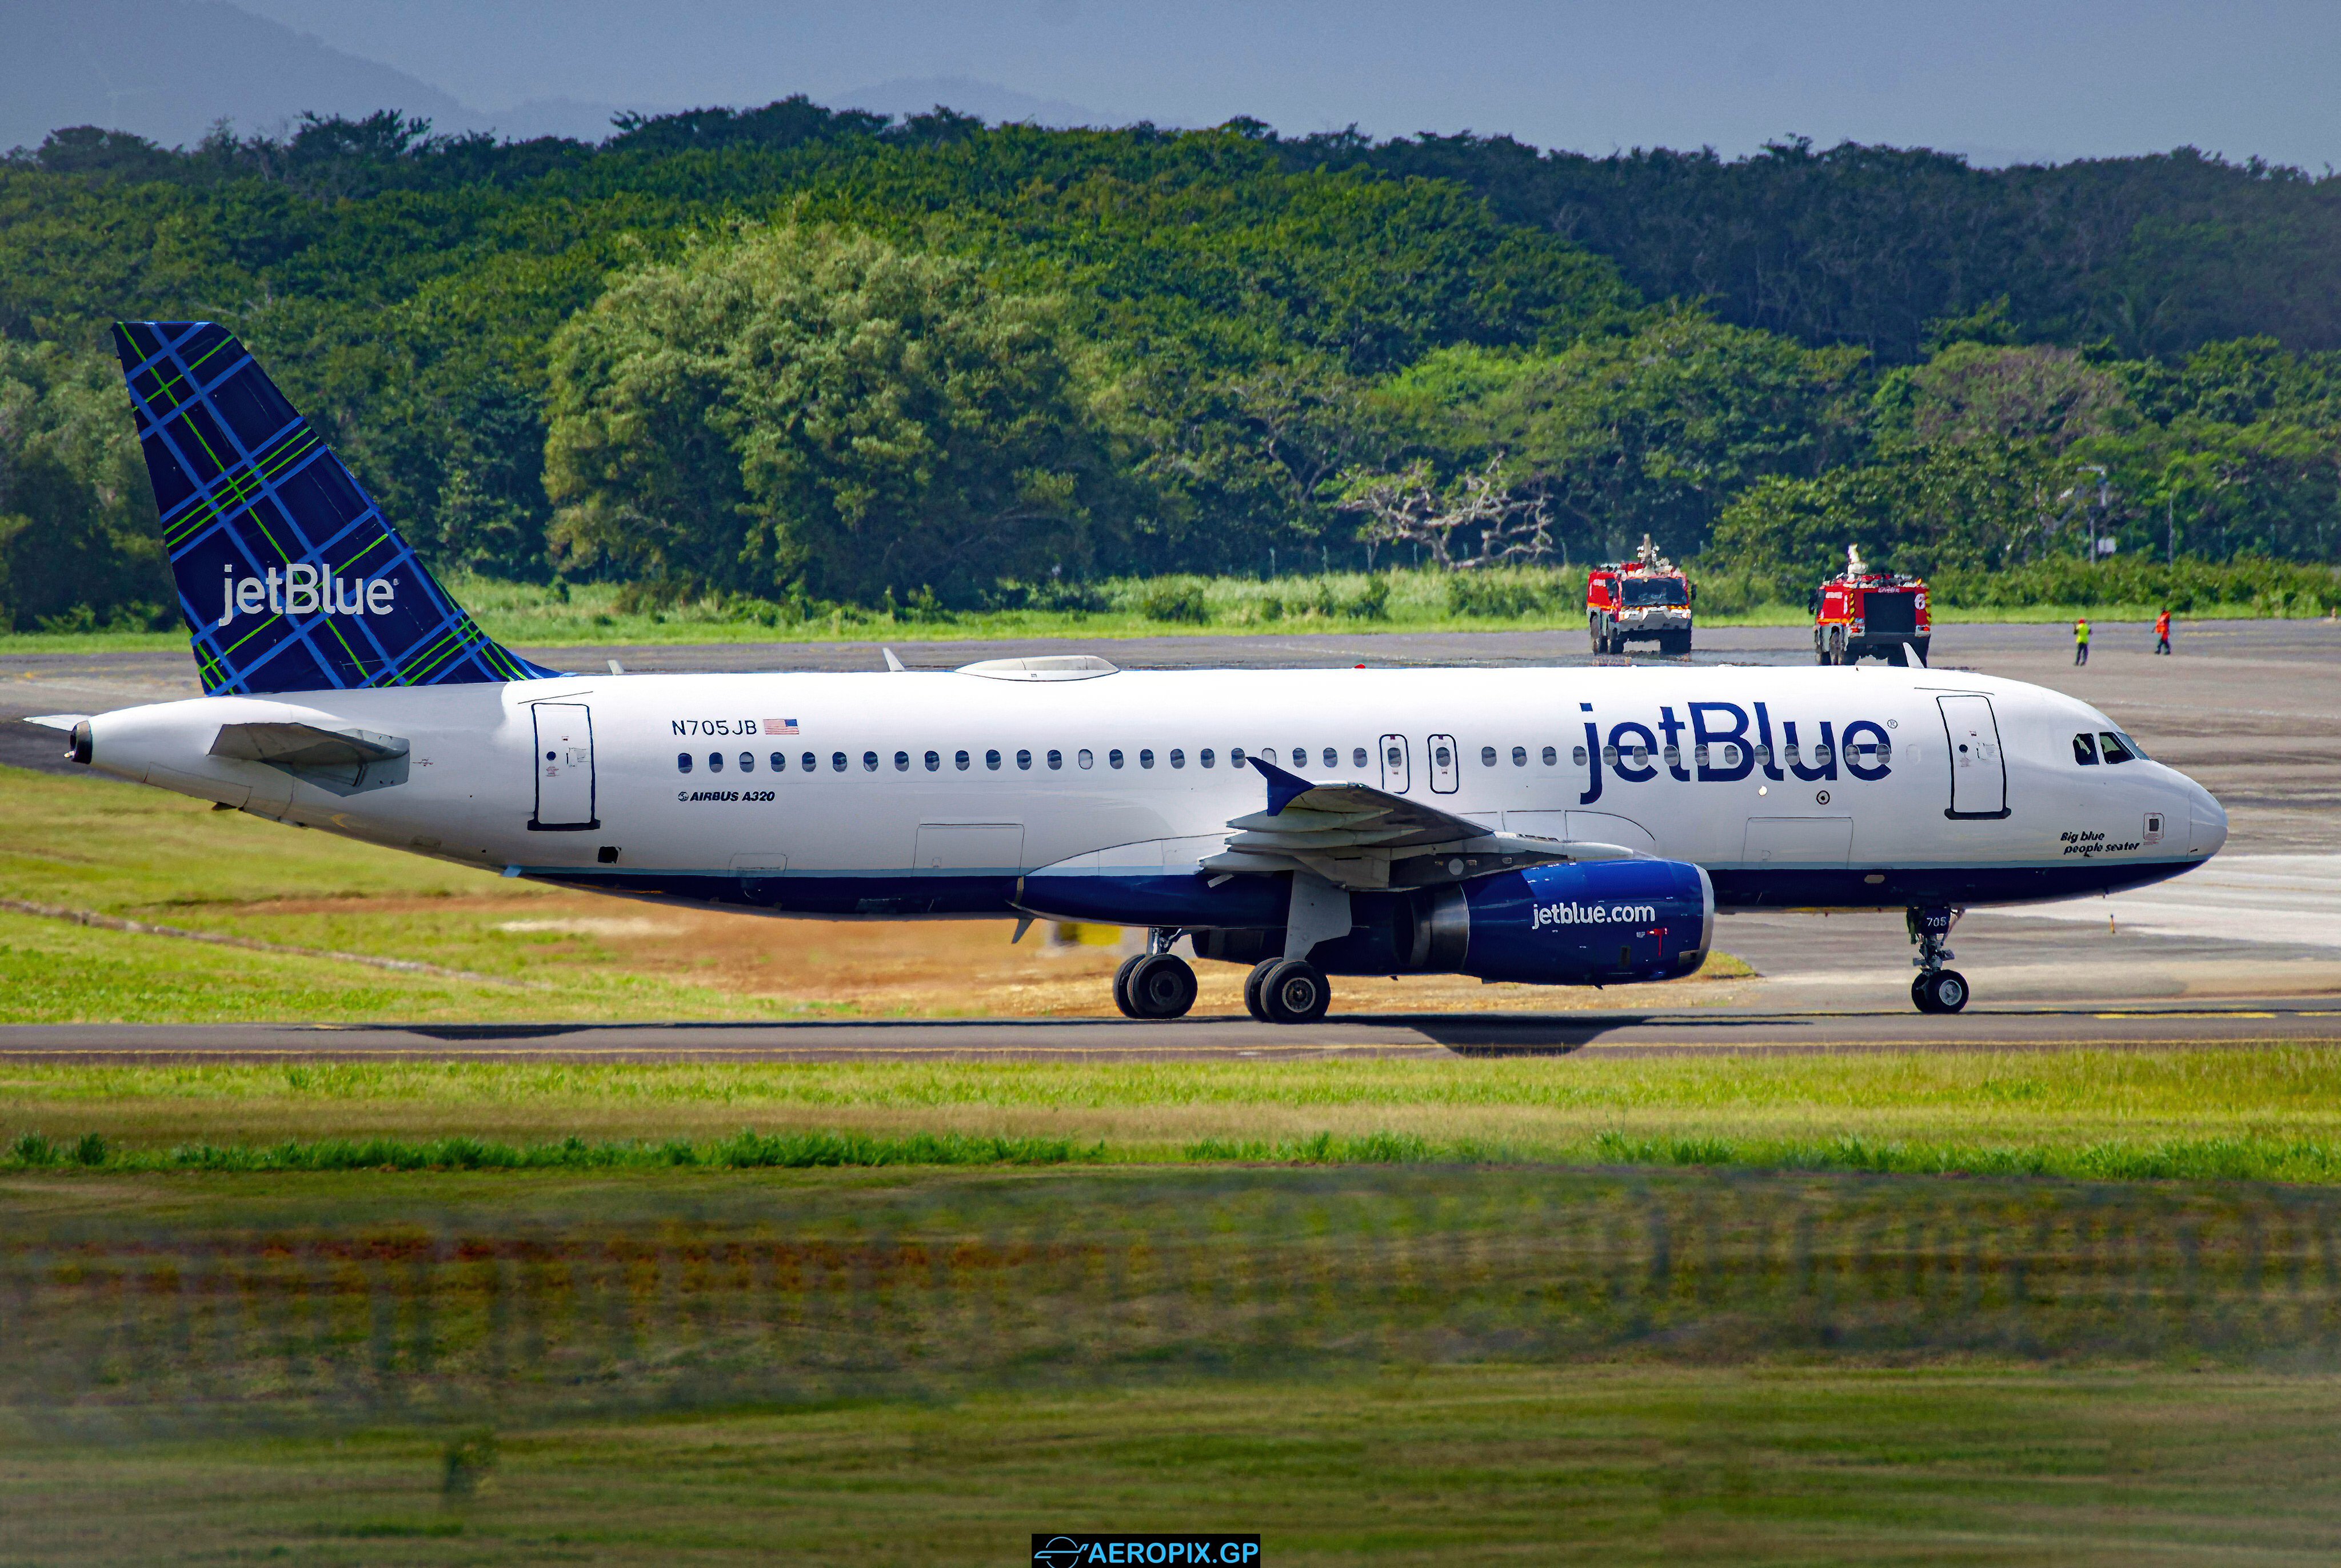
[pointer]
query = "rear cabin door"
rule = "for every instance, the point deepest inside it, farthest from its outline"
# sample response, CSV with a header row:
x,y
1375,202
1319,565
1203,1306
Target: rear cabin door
x,y
1446,764
564,768
1398,764
1979,771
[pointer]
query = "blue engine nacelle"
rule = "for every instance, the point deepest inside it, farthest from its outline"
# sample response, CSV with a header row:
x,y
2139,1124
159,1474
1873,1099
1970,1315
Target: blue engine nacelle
x,y
1595,922
1600,920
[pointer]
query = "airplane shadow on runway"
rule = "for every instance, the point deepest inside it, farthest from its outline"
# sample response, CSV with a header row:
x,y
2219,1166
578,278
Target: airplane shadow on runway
x,y
1464,1034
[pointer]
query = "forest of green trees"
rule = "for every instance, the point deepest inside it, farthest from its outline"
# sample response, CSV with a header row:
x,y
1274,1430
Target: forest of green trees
x,y
808,357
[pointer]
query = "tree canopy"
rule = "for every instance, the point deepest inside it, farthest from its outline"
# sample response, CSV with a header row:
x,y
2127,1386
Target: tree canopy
x,y
792,352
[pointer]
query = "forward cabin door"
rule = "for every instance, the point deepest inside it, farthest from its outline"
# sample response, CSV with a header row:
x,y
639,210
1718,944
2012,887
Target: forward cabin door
x,y
1979,771
564,768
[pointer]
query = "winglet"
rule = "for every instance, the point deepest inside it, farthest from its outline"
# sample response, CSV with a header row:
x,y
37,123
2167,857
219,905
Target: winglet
x,y
893,663
1283,788
1910,652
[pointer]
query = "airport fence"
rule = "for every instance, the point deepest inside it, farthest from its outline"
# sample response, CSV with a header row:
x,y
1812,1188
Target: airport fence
x,y
813,1296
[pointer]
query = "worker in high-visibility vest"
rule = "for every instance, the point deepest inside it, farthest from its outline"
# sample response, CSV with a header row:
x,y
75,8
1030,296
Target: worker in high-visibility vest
x,y
2162,632
2080,642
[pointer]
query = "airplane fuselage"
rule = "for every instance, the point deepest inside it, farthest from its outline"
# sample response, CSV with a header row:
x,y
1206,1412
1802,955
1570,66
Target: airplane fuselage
x,y
974,794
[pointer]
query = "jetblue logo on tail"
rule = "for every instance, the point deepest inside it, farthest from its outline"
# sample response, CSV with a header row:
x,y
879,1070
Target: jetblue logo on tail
x,y
289,576
304,590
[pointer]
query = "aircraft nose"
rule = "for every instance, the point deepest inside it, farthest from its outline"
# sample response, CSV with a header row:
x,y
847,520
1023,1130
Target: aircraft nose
x,y
2206,821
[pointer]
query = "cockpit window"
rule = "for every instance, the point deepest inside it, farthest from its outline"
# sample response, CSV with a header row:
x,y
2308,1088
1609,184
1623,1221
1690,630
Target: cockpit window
x,y
2085,750
2135,749
2114,749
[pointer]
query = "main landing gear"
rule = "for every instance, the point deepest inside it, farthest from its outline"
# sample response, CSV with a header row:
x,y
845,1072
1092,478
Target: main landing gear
x,y
1936,990
1158,983
1287,991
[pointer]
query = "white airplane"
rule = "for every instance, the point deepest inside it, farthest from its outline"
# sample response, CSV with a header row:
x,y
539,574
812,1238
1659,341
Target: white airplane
x,y
1553,826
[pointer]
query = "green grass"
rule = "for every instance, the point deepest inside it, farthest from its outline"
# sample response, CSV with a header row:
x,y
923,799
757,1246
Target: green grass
x,y
1602,1465
2267,1114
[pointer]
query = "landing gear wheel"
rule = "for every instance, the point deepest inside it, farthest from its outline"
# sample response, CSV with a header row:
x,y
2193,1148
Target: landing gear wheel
x,y
1122,987
1159,986
1294,992
1253,1002
1942,991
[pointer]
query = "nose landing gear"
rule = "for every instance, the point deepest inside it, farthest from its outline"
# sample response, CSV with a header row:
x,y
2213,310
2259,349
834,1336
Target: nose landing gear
x,y
1158,983
1936,990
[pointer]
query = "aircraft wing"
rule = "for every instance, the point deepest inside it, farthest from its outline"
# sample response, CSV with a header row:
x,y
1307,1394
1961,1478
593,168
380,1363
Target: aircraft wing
x,y
57,720
1362,838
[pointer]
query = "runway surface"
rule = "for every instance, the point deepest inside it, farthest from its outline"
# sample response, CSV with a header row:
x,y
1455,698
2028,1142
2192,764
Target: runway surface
x,y
1687,1031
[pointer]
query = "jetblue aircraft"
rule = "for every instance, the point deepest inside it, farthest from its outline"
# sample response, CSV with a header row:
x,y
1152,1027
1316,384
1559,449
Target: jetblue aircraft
x,y
1557,827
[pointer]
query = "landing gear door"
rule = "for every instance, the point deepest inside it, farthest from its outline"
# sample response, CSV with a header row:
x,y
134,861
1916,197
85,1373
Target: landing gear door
x,y
1398,767
1446,764
564,768
1979,771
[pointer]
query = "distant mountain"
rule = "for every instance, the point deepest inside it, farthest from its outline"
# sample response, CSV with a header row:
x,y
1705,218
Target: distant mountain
x,y
168,69
987,100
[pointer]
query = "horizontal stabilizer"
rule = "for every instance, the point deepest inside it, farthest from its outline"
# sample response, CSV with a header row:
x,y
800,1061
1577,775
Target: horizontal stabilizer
x,y
340,761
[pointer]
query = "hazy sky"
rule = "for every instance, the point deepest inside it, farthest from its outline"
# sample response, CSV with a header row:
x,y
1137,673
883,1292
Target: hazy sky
x,y
2029,78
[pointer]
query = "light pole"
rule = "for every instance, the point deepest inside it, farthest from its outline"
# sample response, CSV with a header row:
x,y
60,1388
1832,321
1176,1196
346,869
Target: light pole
x,y
2104,503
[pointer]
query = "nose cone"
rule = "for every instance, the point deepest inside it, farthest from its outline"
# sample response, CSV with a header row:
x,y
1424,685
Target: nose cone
x,y
2206,822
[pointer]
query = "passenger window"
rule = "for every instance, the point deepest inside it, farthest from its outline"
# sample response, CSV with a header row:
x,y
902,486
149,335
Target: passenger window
x,y
683,761
1056,759
1145,758
870,762
715,761
959,761
1204,757
1519,756
747,762
2085,750
1577,755
1235,757
991,760
1674,755
2111,745
1487,756
934,761
1085,758
1178,758
901,762
837,760
1550,756
1024,759
1358,758
780,761
1608,754
1113,758
1440,755
1333,758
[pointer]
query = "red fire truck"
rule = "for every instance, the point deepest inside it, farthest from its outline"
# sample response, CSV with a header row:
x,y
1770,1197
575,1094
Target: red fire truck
x,y
1645,599
1865,613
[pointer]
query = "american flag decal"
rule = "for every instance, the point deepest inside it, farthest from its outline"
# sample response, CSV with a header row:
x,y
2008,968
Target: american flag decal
x,y
779,726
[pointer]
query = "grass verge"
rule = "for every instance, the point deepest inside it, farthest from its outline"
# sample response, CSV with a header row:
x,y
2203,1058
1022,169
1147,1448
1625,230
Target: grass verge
x,y
2270,1114
1601,1464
